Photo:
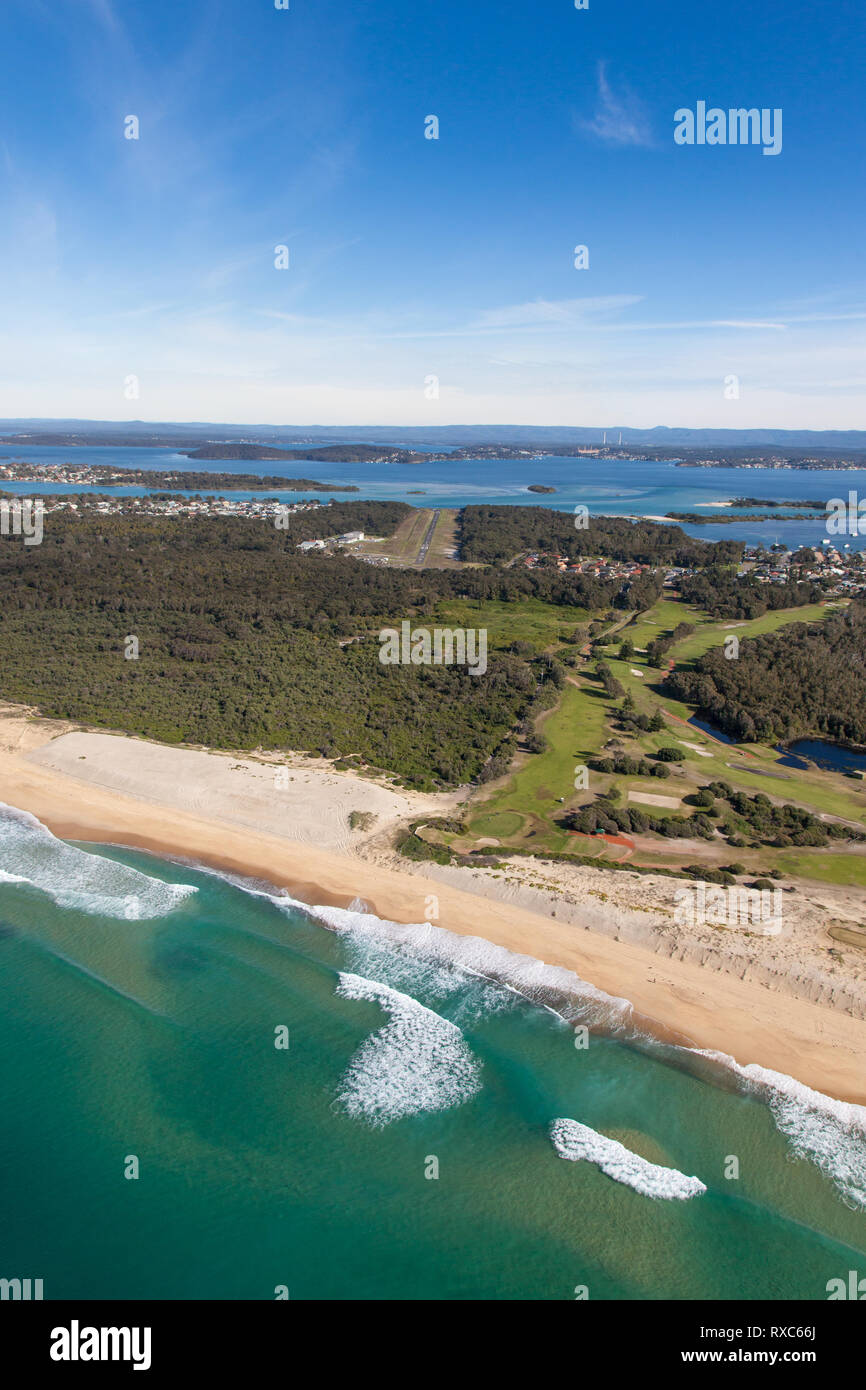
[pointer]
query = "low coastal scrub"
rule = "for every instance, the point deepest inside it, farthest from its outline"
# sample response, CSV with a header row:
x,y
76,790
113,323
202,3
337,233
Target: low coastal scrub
x,y
629,767
584,860
449,825
411,846
779,826
719,811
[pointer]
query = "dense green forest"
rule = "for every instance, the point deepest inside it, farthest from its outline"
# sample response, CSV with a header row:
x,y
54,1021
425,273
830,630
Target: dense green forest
x,y
239,643
193,481
810,678
245,642
723,595
334,518
327,453
493,535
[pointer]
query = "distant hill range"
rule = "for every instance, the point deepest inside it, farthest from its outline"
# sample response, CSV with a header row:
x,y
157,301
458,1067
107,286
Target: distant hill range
x,y
168,434
802,449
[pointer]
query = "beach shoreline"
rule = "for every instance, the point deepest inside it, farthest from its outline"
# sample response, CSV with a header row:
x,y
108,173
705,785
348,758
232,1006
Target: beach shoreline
x,y
677,1001
671,1000
671,1005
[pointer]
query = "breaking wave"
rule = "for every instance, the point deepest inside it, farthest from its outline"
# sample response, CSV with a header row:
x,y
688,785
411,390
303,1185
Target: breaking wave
x,y
830,1134
449,959
78,880
418,1062
575,1141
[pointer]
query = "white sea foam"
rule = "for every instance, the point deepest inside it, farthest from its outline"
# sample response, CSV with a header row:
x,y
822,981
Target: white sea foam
x,y
549,986
431,981
418,1062
575,1141
395,955
829,1133
75,879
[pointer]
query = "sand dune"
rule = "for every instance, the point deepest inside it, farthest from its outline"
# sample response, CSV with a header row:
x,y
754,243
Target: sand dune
x,y
304,800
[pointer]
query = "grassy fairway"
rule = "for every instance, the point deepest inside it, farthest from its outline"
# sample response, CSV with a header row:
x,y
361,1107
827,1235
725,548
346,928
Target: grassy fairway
x,y
546,625
574,730
816,790
844,869
523,811
662,617
713,631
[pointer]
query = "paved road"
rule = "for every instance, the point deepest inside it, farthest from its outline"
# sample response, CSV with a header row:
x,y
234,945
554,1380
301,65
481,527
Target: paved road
x,y
425,544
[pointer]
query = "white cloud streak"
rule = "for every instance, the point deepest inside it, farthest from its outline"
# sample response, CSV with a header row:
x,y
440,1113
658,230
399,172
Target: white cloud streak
x,y
619,117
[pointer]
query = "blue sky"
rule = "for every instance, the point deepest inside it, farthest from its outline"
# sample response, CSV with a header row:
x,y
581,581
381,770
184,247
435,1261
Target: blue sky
x,y
413,258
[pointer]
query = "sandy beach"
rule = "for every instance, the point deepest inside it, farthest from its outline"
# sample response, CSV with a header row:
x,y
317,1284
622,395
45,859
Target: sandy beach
x,y
293,829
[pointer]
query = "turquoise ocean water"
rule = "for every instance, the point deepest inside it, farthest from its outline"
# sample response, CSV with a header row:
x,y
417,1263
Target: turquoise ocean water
x,y
139,1003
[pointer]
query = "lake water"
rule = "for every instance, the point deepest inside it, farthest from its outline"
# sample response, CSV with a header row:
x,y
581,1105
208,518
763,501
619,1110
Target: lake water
x,y
615,488
832,756
708,729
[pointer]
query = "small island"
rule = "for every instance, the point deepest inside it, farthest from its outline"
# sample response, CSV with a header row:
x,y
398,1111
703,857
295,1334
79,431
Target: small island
x,y
539,487
726,519
778,502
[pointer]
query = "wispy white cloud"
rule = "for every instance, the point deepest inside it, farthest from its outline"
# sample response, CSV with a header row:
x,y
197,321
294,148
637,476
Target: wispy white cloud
x,y
619,117
827,318
143,311
744,323
557,313
686,325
